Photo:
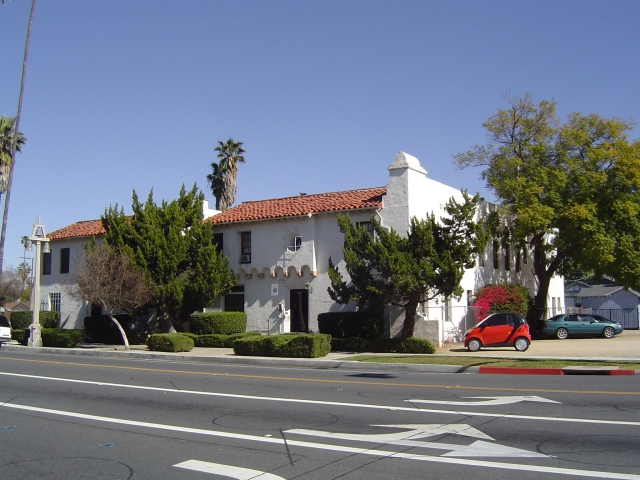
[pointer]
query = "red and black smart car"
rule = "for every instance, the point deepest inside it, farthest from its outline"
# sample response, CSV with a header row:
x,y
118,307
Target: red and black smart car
x,y
499,330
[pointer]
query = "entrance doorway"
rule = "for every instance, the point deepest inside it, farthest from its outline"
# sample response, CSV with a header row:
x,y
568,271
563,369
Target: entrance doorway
x,y
299,302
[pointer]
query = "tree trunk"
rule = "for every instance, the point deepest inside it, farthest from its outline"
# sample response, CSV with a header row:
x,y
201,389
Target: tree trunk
x,y
409,317
544,273
14,147
124,335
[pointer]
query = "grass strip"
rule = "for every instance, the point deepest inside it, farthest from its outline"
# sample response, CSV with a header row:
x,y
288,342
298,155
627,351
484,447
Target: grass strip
x,y
489,362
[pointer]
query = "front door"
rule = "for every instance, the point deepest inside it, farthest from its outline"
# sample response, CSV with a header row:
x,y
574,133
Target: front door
x,y
299,302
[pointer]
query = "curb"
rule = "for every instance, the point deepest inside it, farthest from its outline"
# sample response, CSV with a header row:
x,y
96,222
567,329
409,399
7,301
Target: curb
x,y
611,371
257,361
326,364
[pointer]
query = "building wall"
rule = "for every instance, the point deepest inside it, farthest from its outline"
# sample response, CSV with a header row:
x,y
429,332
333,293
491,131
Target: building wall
x,y
275,269
72,311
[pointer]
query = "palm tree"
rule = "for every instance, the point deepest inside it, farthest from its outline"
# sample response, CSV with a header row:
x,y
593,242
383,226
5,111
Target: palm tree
x,y
14,147
7,130
229,155
216,181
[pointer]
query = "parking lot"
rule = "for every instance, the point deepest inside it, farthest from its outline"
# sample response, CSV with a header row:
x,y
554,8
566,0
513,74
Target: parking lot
x,y
623,346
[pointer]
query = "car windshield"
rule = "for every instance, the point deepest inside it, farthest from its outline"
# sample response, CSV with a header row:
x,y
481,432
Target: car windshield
x,y
4,322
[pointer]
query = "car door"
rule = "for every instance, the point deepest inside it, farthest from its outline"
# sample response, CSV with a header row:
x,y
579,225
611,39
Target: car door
x,y
497,329
573,324
589,325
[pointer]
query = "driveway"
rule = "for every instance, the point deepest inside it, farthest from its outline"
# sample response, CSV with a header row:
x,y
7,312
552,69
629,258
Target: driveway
x,y
623,346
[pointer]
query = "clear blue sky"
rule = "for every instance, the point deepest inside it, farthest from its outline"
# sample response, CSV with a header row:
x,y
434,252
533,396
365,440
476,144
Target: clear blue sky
x,y
125,95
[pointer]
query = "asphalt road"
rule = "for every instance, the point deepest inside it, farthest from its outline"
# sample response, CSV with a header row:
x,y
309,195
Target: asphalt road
x,y
64,417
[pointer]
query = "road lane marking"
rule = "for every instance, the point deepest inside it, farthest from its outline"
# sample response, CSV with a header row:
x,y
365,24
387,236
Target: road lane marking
x,y
316,380
406,438
335,448
227,470
490,400
338,404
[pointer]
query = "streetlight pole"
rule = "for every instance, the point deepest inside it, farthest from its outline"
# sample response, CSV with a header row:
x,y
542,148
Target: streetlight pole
x,y
38,237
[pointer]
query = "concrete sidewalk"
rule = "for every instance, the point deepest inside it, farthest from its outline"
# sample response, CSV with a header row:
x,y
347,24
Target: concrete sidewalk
x,y
624,347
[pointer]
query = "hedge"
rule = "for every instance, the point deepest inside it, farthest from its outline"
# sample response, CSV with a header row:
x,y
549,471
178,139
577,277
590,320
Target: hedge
x,y
21,319
224,323
62,337
170,342
351,324
294,346
21,336
215,340
382,345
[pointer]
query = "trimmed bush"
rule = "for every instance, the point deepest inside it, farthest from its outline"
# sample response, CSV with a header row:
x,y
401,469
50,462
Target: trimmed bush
x,y
382,345
236,336
224,323
351,324
62,337
213,340
170,342
351,344
21,319
101,329
293,346
21,336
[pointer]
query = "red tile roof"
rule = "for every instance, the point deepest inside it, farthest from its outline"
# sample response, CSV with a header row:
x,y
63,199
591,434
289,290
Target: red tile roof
x,y
86,228
368,198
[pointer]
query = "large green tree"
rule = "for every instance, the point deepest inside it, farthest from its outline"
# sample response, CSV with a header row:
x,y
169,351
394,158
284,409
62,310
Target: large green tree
x,y
175,248
570,190
427,263
223,177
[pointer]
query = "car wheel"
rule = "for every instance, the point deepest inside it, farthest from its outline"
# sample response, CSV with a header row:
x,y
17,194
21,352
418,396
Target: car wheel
x,y
608,332
474,345
521,344
562,333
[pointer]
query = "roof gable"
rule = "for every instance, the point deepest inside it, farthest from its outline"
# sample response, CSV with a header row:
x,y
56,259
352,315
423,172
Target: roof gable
x,y
349,200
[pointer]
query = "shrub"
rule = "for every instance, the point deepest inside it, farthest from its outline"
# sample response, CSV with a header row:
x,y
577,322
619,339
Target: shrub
x,y
402,345
21,336
170,342
295,346
62,337
501,298
383,345
225,323
215,340
21,319
351,324
236,336
351,344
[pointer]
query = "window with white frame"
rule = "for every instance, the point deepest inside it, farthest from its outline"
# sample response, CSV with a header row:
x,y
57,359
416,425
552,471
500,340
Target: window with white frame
x,y
56,301
295,243
245,247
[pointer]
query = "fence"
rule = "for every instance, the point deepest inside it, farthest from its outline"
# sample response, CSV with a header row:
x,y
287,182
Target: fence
x,y
627,317
457,319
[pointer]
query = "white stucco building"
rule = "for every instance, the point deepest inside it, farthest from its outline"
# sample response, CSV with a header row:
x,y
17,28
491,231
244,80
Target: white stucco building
x,y
279,249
